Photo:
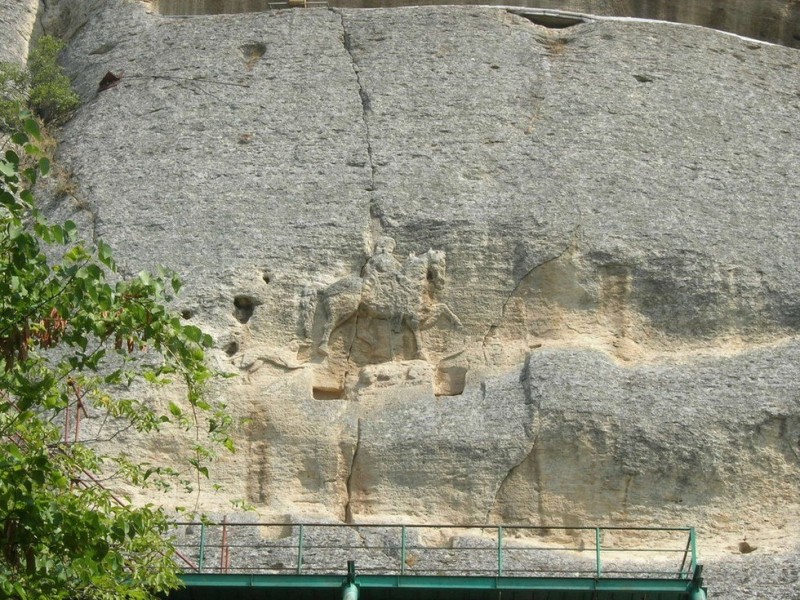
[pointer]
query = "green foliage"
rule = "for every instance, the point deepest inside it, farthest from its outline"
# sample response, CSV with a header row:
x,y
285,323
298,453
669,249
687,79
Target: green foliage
x,y
43,87
75,336
14,83
51,97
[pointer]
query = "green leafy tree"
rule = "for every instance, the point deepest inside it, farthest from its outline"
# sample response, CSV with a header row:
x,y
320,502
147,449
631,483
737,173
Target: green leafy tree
x,y
14,84
51,95
76,336
42,86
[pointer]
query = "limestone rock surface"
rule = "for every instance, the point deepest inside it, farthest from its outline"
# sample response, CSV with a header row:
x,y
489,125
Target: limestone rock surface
x,y
17,18
468,268
586,195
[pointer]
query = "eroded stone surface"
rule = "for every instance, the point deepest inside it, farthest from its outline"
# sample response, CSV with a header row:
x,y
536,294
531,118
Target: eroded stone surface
x,y
588,311
586,189
17,18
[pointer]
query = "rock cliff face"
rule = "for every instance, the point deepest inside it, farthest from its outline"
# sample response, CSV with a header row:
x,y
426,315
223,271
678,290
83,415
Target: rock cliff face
x,y
466,267
16,25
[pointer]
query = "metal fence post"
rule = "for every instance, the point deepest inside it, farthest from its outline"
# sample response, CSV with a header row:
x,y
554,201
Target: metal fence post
x,y
499,551
599,567
403,550
300,550
202,557
223,550
693,542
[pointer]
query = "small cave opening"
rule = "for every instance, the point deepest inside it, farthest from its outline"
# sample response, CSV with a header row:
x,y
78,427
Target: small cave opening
x,y
551,20
186,314
252,52
232,348
243,308
327,393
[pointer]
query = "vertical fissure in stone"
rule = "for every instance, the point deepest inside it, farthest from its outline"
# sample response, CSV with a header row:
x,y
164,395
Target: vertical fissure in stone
x,y
348,511
366,108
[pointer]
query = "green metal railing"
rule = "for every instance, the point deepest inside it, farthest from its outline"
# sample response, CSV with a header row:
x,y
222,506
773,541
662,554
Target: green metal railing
x,y
503,551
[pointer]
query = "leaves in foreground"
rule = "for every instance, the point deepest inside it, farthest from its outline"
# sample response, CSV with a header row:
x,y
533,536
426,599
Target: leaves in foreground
x,y
78,339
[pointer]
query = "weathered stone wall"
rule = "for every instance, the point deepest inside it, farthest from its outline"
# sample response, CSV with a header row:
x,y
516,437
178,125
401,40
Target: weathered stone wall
x,y
465,267
589,196
16,25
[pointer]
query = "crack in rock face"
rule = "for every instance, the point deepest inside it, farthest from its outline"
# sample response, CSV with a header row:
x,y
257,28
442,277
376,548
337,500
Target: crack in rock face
x,y
544,275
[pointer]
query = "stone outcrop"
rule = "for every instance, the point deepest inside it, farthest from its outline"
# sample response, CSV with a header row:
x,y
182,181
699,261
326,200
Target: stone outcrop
x,y
467,268
16,26
584,195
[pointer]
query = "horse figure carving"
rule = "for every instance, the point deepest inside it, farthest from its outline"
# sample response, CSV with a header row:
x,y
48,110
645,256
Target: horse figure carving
x,y
388,290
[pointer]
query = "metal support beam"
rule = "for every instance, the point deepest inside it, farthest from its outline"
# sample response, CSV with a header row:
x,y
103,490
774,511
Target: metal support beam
x,y
698,594
696,591
350,591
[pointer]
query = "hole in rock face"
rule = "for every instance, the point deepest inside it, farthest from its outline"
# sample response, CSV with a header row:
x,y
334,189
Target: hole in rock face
x,y
232,348
186,314
323,393
243,307
251,52
450,381
551,20
266,277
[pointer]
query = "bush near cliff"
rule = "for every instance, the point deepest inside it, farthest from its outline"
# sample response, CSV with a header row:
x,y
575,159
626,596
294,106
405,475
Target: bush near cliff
x,y
42,86
75,337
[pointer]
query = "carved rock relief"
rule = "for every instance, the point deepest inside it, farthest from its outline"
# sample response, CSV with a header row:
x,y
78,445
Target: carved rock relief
x,y
390,312
635,309
381,315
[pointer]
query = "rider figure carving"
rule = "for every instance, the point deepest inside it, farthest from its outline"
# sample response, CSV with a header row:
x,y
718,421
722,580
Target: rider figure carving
x,y
382,259
386,290
383,277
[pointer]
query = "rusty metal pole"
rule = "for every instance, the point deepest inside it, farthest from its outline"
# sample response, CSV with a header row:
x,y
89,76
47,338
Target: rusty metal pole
x,y
66,424
223,567
78,408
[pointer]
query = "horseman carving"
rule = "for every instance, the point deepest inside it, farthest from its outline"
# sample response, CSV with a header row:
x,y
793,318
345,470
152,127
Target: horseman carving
x,y
400,293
